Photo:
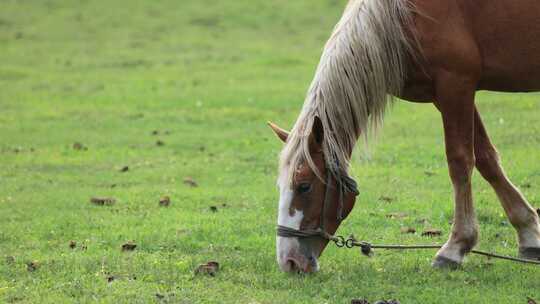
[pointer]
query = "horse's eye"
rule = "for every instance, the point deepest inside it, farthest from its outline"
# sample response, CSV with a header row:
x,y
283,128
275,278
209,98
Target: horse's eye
x,y
303,188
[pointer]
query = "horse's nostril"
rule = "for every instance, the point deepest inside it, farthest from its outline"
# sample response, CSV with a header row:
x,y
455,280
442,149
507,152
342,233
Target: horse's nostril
x,y
293,265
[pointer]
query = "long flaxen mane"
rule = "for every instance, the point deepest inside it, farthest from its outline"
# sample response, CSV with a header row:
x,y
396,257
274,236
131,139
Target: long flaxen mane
x,y
362,66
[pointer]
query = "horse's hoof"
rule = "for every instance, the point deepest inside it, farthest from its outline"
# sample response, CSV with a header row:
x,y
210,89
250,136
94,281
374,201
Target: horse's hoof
x,y
441,262
531,253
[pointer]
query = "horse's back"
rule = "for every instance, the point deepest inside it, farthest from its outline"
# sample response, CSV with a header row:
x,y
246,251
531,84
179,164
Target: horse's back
x,y
508,35
497,40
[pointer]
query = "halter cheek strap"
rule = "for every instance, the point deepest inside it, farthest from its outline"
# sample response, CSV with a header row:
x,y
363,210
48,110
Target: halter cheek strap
x,y
346,185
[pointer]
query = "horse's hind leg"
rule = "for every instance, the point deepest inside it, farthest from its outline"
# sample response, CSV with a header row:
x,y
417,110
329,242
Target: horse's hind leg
x,y
522,216
455,101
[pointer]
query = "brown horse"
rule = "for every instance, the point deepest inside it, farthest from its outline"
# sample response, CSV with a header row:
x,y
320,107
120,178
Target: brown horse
x,y
439,51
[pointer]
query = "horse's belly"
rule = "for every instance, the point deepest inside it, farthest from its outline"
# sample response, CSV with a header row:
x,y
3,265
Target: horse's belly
x,y
505,81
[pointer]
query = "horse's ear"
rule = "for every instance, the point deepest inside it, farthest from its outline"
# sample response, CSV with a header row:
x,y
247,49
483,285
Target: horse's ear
x,y
282,134
316,136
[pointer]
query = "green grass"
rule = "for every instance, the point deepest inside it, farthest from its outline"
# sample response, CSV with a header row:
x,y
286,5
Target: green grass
x,y
211,73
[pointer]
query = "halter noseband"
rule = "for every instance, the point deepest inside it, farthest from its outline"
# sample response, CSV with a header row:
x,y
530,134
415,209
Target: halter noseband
x,y
345,184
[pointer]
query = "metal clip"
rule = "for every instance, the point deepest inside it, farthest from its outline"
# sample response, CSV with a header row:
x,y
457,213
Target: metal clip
x,y
339,241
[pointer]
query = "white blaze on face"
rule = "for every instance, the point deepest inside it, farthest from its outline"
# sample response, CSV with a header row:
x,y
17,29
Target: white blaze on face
x,y
285,246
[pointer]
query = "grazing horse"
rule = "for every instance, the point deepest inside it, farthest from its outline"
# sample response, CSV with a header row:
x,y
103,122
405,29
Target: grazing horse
x,y
439,51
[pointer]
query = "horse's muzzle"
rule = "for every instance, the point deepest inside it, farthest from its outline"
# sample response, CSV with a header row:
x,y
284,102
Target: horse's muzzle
x,y
295,255
299,263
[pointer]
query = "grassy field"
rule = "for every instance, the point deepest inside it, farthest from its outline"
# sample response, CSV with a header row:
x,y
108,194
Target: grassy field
x,y
202,77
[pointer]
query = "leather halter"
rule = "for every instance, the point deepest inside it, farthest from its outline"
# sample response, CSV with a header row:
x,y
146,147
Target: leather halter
x,y
345,184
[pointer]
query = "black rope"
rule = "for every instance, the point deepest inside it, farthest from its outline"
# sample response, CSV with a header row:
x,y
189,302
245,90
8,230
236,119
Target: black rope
x,y
367,249
287,232
284,231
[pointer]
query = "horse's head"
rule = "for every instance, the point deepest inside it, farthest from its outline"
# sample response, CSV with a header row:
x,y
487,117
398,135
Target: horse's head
x,y
311,201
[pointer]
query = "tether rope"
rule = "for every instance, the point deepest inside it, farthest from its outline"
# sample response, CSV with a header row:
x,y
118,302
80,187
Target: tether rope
x,y
367,247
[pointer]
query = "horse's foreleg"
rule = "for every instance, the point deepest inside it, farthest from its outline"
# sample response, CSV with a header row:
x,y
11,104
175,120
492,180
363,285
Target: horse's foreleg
x,y
522,216
455,101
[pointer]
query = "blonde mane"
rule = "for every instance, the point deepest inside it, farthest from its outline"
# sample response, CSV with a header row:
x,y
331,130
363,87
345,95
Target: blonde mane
x,y
362,66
